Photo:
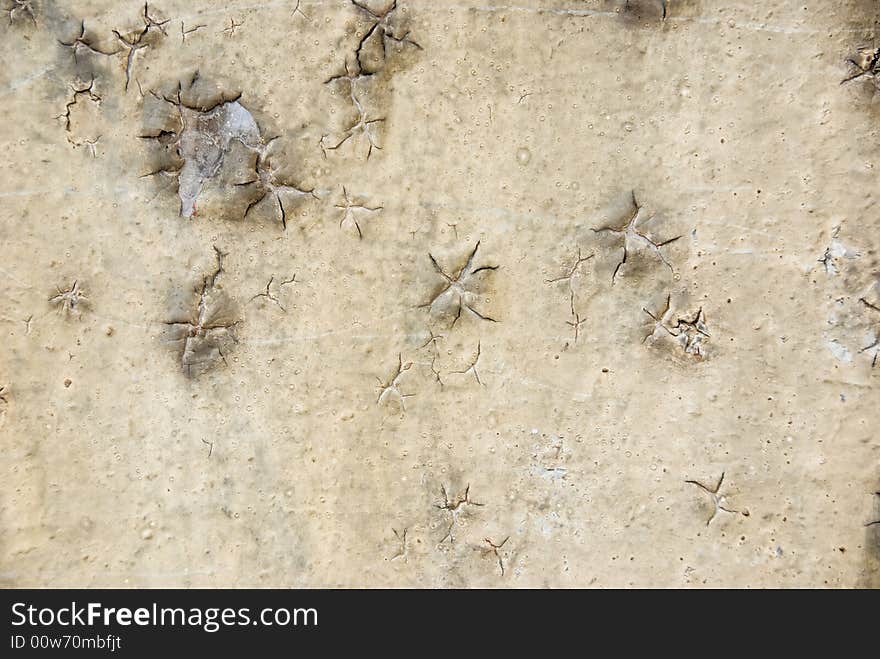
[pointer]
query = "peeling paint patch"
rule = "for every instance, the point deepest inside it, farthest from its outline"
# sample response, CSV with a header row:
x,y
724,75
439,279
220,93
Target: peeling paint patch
x,y
840,352
204,144
550,473
212,148
833,254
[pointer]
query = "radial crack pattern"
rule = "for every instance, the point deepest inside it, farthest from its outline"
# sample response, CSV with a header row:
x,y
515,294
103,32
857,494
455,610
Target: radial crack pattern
x,y
454,508
632,237
390,389
459,291
71,300
690,332
718,500
364,125
376,39
369,58
269,184
351,210
137,40
204,328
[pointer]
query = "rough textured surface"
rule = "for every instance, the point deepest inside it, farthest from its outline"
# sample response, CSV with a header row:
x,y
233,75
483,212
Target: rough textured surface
x,y
551,293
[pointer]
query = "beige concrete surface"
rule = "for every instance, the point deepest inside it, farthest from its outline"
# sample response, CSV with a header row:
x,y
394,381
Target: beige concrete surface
x,y
538,293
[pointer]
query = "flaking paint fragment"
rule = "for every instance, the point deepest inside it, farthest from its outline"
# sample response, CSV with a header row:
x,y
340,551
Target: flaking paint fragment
x,y
204,144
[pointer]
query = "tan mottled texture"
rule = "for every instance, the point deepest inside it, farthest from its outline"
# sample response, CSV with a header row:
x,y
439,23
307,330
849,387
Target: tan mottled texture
x,y
441,294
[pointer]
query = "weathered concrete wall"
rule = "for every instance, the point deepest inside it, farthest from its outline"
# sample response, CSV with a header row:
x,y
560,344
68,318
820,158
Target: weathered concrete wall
x,y
552,293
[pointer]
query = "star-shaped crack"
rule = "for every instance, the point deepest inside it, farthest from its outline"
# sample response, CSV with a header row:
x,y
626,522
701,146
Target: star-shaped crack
x,y
71,299
350,210
382,30
718,500
454,507
363,125
632,237
458,291
267,183
205,332
391,387
690,332
138,40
